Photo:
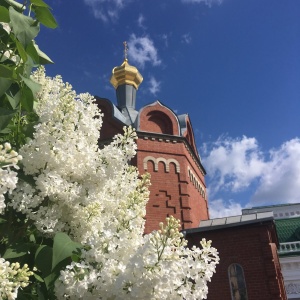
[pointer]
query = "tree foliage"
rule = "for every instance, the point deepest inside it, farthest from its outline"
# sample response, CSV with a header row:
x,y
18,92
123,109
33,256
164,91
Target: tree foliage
x,y
19,54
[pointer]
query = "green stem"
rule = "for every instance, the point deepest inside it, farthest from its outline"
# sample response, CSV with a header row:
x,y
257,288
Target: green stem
x,y
18,127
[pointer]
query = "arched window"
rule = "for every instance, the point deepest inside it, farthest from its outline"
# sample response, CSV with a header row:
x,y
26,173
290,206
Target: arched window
x,y
237,282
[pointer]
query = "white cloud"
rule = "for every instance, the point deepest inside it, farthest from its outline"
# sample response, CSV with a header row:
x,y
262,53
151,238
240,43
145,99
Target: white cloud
x,y
206,2
280,181
141,21
106,10
165,38
219,209
236,164
154,87
142,50
186,38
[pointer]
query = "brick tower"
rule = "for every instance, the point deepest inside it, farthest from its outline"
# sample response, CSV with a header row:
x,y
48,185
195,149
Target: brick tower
x,y
166,150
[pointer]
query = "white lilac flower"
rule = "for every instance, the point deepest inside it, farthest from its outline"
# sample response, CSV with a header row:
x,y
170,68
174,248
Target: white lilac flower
x,y
12,277
8,178
97,198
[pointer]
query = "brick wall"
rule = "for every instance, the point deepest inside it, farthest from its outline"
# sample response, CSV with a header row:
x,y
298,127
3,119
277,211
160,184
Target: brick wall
x,y
177,184
177,180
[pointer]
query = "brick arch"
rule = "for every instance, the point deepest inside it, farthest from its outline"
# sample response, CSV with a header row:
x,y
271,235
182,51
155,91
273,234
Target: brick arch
x,y
159,119
159,122
150,158
175,162
166,162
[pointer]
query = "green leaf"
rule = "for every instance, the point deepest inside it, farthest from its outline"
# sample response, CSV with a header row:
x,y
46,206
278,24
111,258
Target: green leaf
x,y
50,279
29,64
32,238
38,56
16,250
29,129
75,257
44,15
43,57
33,85
2,221
39,3
38,278
21,50
18,6
25,28
5,36
5,116
4,85
42,295
4,15
27,98
27,178
5,131
6,71
31,50
43,260
63,248
28,93
14,101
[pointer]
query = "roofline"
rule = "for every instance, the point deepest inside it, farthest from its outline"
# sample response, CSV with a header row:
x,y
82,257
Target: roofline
x,y
230,225
270,206
114,109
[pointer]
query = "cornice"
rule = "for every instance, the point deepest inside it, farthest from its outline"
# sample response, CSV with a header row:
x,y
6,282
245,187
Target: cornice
x,y
172,139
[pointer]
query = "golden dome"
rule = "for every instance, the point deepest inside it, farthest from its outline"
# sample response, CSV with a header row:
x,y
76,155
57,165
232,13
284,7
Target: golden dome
x,y
126,74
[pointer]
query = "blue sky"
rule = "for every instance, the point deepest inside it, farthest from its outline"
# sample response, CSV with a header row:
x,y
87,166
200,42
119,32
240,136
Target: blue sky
x,y
232,65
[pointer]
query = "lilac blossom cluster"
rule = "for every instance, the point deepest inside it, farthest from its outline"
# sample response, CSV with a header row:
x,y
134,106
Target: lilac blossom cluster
x,y
12,277
95,196
8,178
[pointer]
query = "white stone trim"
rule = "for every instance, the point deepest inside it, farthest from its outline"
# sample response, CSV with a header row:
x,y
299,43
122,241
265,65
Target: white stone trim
x,y
283,212
161,159
290,267
289,247
292,289
196,182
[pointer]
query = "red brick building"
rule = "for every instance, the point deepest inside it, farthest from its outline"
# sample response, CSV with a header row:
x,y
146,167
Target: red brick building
x,y
167,150
249,267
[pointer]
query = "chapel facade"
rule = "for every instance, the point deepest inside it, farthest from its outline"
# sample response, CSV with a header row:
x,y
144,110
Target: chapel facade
x,y
165,148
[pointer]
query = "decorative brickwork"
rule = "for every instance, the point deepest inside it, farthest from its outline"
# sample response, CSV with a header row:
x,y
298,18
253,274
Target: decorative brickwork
x,y
196,183
161,159
168,162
